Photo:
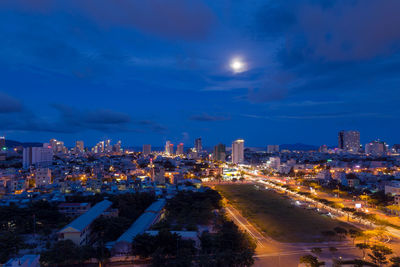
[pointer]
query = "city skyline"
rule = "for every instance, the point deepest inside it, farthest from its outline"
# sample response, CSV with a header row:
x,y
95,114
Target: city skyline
x,y
261,71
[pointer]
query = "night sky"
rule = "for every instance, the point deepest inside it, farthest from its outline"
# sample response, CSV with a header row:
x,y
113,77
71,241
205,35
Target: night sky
x,y
155,70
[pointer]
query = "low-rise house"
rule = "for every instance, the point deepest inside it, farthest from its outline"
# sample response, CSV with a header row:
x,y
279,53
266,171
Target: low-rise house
x,y
79,230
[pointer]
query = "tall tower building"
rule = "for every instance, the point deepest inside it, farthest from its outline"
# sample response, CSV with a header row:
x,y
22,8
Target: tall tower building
x,y
376,148
79,146
167,144
219,153
146,149
39,156
349,141
179,149
198,145
238,151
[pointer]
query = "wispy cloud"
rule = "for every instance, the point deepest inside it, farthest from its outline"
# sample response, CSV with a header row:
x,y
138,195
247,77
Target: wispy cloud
x,y
208,118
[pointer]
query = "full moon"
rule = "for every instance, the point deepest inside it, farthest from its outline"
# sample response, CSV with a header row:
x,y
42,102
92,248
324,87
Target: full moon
x,y
237,65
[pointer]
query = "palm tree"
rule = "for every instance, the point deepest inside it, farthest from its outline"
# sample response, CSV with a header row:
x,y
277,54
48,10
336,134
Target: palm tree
x,y
363,247
310,260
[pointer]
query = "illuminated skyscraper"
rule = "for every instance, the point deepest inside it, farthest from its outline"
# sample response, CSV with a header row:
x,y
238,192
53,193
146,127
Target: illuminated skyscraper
x,y
169,148
238,151
179,149
79,146
198,145
349,141
376,148
146,149
219,153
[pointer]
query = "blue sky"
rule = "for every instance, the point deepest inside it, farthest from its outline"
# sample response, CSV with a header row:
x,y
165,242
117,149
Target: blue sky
x,y
151,71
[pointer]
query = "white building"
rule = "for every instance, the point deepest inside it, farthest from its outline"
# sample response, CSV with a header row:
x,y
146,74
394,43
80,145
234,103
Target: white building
x,y
39,156
238,151
393,188
42,177
376,148
274,163
169,148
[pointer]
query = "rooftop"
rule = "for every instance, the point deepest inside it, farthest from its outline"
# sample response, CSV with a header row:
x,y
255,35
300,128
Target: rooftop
x,y
88,217
143,222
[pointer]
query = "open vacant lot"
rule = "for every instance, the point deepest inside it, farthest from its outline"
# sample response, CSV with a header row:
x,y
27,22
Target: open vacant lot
x,y
274,214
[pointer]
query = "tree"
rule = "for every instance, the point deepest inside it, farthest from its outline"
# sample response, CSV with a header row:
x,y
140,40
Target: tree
x,y
363,247
10,244
379,254
316,251
340,231
354,234
310,260
328,234
144,245
395,261
63,252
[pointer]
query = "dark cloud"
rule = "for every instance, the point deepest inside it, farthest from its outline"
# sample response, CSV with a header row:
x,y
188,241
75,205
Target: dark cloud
x,y
329,46
339,31
100,119
206,117
72,120
9,104
189,20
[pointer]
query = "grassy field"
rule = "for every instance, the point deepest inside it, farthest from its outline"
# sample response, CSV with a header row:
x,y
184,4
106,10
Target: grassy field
x,y
274,214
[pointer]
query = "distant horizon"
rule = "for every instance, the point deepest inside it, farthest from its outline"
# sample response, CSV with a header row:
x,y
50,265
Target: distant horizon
x,y
187,145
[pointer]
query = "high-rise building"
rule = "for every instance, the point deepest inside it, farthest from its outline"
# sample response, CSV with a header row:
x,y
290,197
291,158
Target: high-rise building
x,y
57,146
179,149
238,151
79,146
198,145
117,146
39,156
273,148
349,141
146,149
376,148
219,153
169,148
